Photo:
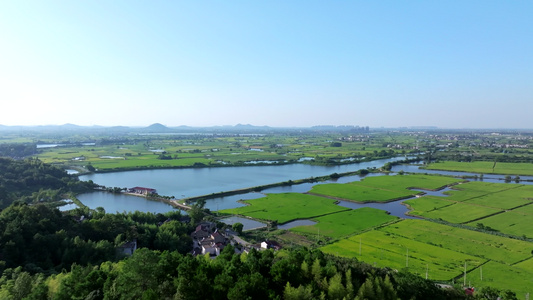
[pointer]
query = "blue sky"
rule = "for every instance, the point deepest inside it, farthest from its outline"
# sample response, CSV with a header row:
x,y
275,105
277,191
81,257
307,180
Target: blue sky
x,y
452,64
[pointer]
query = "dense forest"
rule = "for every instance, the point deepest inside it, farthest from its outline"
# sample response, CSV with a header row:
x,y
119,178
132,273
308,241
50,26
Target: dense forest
x,y
48,254
31,180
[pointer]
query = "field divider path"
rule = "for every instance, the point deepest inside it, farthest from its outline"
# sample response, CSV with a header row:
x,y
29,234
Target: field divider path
x,y
523,260
484,217
497,213
317,216
359,202
459,277
369,229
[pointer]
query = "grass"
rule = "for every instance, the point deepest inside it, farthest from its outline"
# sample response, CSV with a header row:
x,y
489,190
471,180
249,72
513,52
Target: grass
x,y
359,193
511,222
484,167
518,278
425,204
401,182
486,246
383,188
386,250
344,223
287,207
472,201
193,149
443,250
460,213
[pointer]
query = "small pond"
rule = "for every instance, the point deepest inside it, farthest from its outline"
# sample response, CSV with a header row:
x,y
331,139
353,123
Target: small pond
x,y
248,223
68,206
296,223
119,203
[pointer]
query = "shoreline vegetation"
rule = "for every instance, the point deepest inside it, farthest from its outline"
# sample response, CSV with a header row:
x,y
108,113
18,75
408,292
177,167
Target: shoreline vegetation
x,y
251,163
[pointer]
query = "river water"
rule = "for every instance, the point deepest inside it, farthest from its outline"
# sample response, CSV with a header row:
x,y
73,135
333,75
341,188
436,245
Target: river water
x,y
183,183
196,182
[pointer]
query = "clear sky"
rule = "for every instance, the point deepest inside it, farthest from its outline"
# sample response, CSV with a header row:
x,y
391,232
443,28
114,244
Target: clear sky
x,y
452,64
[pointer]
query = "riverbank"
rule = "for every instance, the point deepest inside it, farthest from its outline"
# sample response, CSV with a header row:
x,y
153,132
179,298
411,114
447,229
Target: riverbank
x,y
273,185
171,202
252,163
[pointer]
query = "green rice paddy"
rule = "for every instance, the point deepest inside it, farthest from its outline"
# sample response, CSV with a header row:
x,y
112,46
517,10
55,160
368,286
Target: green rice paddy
x,y
484,167
287,207
344,223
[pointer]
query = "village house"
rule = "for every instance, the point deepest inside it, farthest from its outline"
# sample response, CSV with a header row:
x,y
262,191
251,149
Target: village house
x,y
128,247
206,240
142,190
268,244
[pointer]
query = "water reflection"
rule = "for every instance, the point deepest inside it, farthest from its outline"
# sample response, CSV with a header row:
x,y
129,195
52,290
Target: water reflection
x,y
296,223
248,224
122,203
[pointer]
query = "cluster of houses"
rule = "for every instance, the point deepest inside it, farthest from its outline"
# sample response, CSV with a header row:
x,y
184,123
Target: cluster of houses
x,y
207,239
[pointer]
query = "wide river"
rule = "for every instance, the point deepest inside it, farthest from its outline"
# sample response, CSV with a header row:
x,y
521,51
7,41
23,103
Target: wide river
x,y
183,183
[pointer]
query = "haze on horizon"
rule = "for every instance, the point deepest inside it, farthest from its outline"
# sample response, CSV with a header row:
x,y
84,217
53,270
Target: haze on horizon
x,y
451,64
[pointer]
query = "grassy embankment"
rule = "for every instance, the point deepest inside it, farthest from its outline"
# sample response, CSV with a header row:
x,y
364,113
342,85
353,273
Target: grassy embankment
x,y
383,188
484,167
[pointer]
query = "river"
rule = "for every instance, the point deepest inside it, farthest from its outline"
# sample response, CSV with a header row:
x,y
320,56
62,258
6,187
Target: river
x,y
183,183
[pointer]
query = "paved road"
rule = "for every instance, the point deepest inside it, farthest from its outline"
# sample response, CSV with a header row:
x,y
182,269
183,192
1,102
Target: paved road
x,y
241,241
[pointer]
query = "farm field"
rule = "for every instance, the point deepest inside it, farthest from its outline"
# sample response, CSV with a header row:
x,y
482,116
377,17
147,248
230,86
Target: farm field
x,y
386,250
484,167
473,201
286,207
515,278
344,223
424,204
140,151
526,265
443,250
460,213
496,248
510,222
383,188
359,193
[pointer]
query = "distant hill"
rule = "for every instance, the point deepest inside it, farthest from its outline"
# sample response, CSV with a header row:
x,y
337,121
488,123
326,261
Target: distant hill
x,y
160,128
157,127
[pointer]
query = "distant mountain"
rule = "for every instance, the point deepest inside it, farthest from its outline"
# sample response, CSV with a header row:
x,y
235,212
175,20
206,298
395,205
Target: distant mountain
x,y
157,127
70,126
160,128
248,126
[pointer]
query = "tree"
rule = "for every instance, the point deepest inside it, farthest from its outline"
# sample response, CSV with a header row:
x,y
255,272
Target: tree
x,y
197,212
90,167
237,227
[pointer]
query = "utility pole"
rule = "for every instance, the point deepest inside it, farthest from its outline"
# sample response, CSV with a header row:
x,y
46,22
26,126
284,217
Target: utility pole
x,y
407,259
464,283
